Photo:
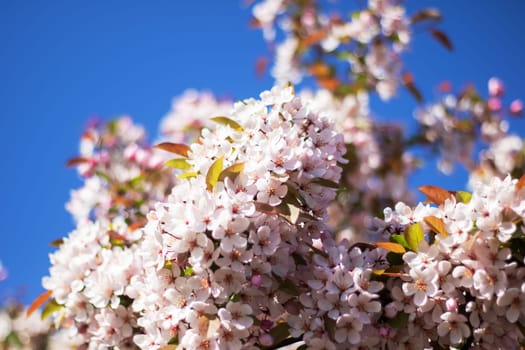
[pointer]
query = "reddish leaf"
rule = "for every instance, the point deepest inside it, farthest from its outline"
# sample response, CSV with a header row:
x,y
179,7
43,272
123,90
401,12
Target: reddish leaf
x,y
436,224
329,83
260,66
426,14
408,78
254,23
57,242
391,247
314,38
521,183
76,161
178,148
320,69
445,86
408,82
442,38
115,236
41,299
136,225
435,194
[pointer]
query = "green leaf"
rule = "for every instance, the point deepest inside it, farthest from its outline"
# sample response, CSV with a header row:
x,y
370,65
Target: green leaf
x,y
317,251
232,171
51,307
235,297
188,271
174,340
414,234
294,213
293,196
178,163
463,196
329,326
394,259
13,340
399,321
265,208
169,347
188,175
178,148
212,176
289,211
290,288
227,121
400,239
298,259
280,332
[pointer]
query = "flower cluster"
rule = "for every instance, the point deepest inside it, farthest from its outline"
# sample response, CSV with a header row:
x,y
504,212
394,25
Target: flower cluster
x,y
240,241
456,124
122,173
19,332
379,164
218,254
189,113
461,284
89,278
91,271
344,55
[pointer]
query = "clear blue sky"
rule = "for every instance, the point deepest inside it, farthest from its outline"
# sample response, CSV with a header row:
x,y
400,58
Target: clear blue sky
x,y
63,61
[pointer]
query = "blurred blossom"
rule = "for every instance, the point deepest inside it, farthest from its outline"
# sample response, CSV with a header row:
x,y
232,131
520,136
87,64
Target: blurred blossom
x,y
3,272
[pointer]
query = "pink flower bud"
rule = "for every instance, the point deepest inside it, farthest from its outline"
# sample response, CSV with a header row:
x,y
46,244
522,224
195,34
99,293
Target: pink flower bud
x,y
141,156
384,331
494,104
516,107
103,157
155,162
496,87
265,339
256,280
452,304
266,325
130,151
390,310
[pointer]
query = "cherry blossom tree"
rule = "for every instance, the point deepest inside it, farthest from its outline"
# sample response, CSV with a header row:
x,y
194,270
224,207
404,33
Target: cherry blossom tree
x,y
286,219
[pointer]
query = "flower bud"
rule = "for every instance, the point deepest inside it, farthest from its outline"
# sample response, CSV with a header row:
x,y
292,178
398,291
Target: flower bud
x,y
452,304
494,104
516,107
265,339
496,87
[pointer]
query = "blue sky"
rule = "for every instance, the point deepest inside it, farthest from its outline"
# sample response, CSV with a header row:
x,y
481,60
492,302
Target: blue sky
x,y
64,61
